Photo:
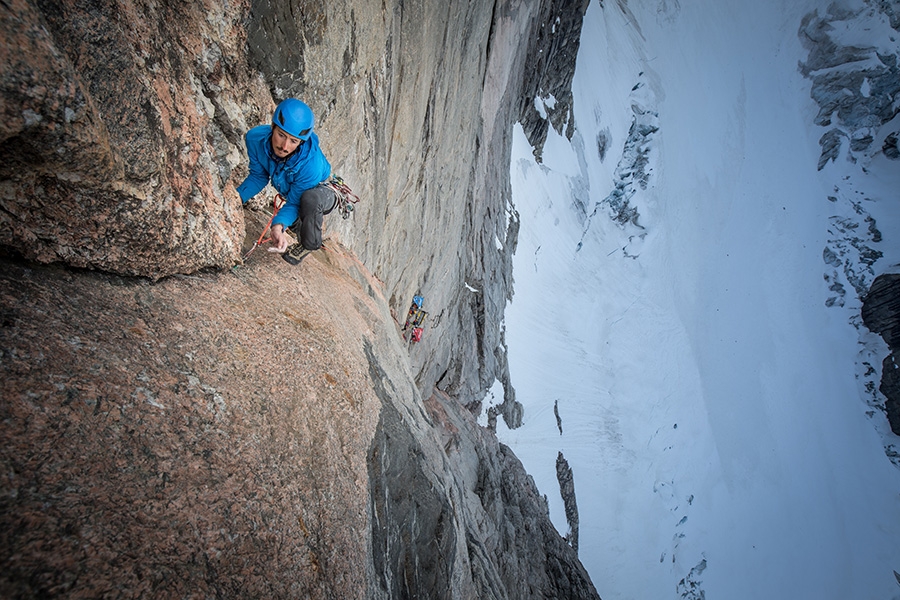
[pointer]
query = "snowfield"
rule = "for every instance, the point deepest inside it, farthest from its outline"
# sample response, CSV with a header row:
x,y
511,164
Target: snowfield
x,y
671,300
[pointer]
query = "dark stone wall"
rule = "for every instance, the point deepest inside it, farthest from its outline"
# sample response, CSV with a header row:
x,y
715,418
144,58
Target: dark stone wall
x,y
881,314
552,49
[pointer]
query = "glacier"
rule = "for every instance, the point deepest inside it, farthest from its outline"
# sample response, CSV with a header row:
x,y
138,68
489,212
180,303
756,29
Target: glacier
x,y
683,327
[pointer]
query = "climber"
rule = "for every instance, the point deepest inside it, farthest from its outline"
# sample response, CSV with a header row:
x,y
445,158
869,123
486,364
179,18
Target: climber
x,y
287,153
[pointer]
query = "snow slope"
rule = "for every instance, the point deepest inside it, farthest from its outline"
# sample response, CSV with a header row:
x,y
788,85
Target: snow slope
x,y
670,301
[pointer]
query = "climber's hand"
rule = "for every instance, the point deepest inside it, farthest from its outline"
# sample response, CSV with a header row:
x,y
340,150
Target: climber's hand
x,y
280,239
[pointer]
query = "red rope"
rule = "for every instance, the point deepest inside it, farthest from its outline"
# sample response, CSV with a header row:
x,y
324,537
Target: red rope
x,y
277,203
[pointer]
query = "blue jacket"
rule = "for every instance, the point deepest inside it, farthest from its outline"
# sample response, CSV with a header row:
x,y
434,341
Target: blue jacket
x,y
306,168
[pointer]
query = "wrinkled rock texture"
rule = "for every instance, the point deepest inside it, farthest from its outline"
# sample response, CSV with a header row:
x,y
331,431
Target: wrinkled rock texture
x,y
115,141
173,428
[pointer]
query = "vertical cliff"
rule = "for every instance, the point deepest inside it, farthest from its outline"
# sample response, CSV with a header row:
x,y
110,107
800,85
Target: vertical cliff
x,y
173,425
124,122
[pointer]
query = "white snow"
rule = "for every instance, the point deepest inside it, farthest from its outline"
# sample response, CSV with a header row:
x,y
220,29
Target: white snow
x,y
543,104
539,107
708,397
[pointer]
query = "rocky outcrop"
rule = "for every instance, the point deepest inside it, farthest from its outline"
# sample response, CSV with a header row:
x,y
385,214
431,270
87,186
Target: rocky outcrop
x,y
854,86
488,536
203,435
172,427
117,148
546,98
881,314
566,480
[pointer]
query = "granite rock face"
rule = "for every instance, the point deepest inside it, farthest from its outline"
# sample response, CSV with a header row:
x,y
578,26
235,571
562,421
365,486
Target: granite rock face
x,y
173,428
117,149
122,140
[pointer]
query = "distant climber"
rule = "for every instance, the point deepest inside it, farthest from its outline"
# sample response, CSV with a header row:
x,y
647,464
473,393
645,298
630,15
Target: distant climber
x,y
415,321
287,153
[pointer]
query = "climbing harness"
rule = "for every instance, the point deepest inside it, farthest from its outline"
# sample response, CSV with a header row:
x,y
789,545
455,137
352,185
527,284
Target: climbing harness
x,y
345,196
415,321
344,201
277,203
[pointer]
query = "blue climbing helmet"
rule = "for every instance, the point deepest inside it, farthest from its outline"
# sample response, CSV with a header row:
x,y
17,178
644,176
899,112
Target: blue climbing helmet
x,y
295,118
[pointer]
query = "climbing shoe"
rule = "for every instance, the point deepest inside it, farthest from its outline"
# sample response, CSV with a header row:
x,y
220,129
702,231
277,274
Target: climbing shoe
x,y
295,253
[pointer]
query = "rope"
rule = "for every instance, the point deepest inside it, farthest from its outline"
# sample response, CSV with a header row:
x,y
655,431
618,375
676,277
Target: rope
x,y
277,203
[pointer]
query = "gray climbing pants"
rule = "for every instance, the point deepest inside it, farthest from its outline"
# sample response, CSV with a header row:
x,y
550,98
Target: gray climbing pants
x,y
315,203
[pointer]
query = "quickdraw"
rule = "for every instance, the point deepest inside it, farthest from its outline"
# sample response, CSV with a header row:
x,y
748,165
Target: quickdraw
x,y
277,203
345,196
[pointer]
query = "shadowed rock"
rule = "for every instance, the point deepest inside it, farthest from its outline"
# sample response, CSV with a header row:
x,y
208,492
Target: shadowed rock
x,y
881,314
